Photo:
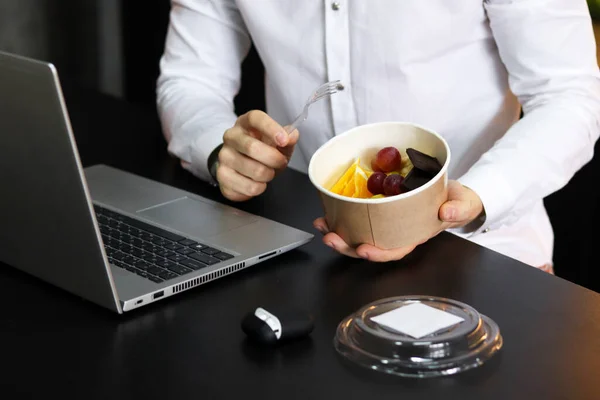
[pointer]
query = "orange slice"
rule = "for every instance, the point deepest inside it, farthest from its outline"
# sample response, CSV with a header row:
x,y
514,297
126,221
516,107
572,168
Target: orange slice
x,y
353,183
340,186
350,188
360,183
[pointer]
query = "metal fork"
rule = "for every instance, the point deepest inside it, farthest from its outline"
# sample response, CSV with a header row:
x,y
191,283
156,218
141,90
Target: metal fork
x,y
321,92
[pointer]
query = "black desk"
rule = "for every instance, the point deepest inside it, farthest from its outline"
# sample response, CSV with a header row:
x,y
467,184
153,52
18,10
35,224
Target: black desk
x,y
191,345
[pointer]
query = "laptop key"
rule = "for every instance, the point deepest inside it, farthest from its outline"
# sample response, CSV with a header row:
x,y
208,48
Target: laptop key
x,y
166,275
185,251
165,253
138,252
123,228
187,242
151,258
143,265
210,251
195,265
161,242
114,233
197,246
174,246
165,263
178,269
151,248
129,260
146,236
222,256
154,270
204,258
176,257
125,247
155,279
141,273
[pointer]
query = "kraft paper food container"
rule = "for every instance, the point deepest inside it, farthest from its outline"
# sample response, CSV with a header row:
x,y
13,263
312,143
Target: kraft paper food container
x,y
388,222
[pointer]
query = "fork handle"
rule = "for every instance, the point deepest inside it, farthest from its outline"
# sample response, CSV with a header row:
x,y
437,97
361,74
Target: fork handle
x,y
294,125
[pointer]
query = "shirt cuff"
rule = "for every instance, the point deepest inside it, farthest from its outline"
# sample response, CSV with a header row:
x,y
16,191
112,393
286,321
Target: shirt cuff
x,y
200,149
496,196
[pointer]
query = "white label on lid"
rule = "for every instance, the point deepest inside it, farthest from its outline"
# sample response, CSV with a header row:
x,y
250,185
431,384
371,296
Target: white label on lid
x,y
417,320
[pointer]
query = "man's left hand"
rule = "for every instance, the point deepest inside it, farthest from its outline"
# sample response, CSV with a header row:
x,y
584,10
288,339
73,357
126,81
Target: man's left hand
x,y
462,207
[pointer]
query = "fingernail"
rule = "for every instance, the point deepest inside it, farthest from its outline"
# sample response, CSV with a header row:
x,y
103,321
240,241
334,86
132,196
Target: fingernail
x,y
320,229
364,255
330,245
281,139
450,214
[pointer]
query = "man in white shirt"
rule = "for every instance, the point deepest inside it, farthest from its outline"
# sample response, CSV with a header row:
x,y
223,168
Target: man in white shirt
x,y
463,68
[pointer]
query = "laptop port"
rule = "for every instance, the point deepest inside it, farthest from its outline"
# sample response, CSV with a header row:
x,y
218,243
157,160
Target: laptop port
x,y
267,255
139,301
158,295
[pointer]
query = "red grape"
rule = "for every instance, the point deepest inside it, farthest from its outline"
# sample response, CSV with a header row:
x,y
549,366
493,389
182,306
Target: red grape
x,y
375,182
374,166
388,159
392,185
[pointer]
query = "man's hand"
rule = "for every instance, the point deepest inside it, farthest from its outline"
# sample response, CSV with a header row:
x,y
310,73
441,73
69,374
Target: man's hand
x,y
254,150
462,207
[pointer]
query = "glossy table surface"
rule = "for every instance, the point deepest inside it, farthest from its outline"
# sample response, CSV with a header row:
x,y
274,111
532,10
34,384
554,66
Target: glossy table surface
x,y
191,345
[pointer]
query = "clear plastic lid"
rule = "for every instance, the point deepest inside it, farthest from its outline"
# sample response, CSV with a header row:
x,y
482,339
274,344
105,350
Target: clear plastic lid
x,y
418,336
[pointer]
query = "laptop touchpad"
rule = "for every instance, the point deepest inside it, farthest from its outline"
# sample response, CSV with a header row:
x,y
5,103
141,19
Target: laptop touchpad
x,y
196,218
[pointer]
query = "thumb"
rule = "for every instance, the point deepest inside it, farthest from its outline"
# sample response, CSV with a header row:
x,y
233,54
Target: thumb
x,y
455,211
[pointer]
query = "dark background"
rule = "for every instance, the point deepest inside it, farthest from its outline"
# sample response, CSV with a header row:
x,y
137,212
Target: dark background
x,y
113,46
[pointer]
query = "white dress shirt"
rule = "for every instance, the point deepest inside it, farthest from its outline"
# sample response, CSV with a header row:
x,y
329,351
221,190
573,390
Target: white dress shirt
x,y
463,68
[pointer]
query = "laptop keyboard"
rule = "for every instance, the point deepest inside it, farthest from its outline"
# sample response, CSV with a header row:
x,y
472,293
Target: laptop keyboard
x,y
151,252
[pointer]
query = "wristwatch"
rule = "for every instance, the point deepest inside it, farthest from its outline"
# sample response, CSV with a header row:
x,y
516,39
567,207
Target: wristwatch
x,y
213,165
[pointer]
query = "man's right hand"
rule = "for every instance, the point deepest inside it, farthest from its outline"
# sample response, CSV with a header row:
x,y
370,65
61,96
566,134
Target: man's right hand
x,y
254,150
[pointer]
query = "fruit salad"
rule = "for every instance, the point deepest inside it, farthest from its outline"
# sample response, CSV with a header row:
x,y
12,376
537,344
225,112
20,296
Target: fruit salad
x,y
389,174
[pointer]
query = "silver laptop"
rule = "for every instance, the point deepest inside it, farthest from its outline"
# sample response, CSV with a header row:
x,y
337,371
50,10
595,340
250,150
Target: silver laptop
x,y
111,237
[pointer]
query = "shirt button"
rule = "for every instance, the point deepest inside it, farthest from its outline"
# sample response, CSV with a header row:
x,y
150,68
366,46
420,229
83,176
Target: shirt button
x,y
340,86
335,6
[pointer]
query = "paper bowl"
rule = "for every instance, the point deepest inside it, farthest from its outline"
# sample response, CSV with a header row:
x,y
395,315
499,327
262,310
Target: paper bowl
x,y
389,222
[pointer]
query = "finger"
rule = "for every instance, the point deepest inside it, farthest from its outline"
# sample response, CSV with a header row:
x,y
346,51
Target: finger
x,y
337,243
245,166
288,150
373,253
463,204
449,225
232,194
229,178
269,130
454,211
320,224
242,142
